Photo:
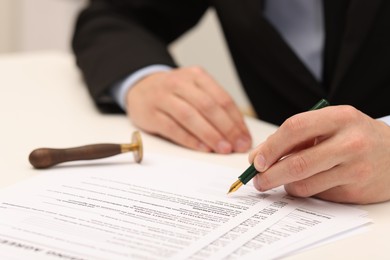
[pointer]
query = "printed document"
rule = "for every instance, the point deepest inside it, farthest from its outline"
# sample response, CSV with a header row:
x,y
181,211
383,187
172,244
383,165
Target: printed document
x,y
164,208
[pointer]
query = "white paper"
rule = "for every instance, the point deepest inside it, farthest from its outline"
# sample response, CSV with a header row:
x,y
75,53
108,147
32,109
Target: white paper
x,y
160,209
312,222
165,208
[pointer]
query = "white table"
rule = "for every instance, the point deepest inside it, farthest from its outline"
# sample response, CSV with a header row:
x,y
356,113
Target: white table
x,y
44,103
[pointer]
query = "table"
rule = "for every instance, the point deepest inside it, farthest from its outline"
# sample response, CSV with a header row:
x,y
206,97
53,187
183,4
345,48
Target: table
x,y
45,104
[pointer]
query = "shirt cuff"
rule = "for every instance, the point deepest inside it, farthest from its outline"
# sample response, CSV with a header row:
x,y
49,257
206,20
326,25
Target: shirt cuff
x,y
120,89
385,119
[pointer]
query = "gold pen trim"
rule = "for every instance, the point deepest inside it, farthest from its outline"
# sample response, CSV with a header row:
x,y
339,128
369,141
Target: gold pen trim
x,y
235,186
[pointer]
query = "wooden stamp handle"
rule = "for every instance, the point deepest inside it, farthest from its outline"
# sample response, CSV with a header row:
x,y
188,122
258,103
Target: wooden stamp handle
x,y
47,157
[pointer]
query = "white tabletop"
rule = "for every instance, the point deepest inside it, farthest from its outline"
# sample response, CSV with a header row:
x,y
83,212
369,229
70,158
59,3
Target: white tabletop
x,y
45,104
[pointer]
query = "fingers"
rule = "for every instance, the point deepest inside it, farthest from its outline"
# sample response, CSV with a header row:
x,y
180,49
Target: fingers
x,y
301,165
319,183
294,132
173,131
188,118
209,85
339,184
216,115
196,104
298,150
342,158
334,185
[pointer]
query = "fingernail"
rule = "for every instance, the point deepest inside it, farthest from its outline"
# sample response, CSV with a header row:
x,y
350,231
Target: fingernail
x,y
242,144
204,148
260,163
224,147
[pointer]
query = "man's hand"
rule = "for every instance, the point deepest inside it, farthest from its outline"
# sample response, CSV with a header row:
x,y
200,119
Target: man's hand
x,y
335,153
188,107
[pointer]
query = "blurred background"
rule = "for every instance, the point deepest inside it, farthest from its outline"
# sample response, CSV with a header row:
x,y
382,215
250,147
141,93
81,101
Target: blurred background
x,y
47,25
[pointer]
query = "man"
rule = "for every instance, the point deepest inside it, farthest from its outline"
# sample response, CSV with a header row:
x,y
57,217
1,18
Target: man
x,y
340,153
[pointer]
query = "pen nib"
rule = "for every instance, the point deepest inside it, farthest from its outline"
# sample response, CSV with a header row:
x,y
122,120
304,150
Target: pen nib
x,y
235,186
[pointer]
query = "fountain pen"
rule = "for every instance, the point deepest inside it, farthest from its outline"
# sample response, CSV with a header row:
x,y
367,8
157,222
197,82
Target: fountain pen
x,y
251,172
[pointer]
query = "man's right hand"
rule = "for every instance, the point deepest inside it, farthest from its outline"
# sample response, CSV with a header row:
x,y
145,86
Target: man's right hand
x,y
188,107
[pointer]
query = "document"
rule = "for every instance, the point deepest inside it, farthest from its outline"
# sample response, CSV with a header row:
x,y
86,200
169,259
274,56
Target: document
x,y
164,208
311,221
157,210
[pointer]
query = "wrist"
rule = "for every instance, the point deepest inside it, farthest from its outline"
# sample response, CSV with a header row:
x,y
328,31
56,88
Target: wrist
x,y
120,90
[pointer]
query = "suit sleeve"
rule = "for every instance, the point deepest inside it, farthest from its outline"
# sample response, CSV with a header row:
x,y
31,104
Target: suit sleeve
x,y
114,38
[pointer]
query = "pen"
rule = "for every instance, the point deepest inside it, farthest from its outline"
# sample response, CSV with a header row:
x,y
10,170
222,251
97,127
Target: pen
x,y
251,172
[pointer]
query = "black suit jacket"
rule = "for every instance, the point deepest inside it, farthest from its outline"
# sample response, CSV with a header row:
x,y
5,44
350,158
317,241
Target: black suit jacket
x,y
116,37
